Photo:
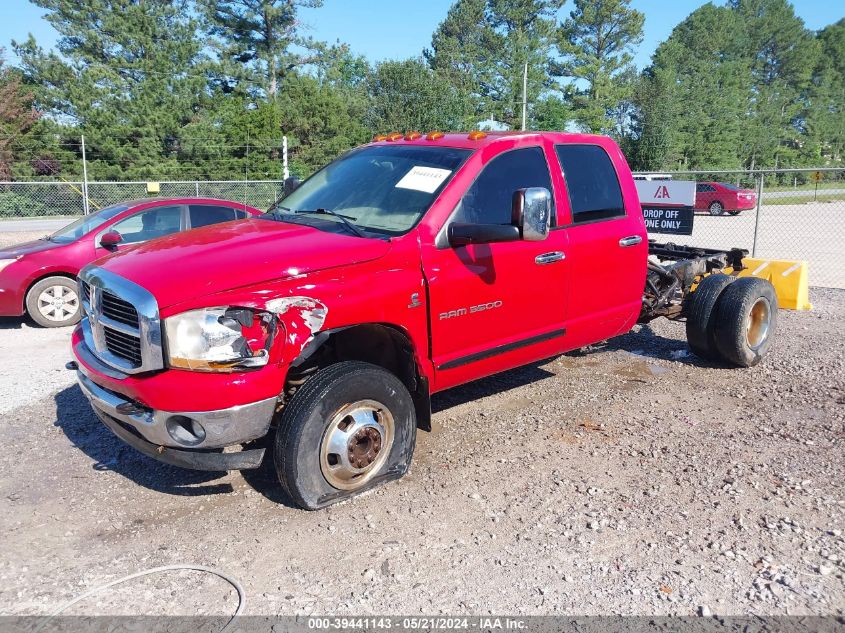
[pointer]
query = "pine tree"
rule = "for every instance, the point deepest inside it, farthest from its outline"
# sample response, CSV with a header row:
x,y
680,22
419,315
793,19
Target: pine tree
x,y
129,76
781,54
825,122
17,116
483,46
260,36
596,43
408,95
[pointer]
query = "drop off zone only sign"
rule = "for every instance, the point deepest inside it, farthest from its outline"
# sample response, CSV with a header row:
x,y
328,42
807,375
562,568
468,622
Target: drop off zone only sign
x,y
667,205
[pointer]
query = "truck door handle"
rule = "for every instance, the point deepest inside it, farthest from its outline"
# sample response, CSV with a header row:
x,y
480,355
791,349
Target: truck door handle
x,y
549,258
631,240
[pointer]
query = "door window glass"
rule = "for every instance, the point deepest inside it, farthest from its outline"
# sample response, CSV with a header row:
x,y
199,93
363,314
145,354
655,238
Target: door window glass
x,y
149,224
591,181
205,214
489,199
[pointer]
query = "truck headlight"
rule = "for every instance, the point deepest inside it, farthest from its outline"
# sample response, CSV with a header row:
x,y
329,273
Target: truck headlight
x,y
223,338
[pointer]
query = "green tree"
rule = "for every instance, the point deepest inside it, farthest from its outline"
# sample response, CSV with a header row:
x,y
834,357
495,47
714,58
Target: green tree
x,y
692,102
825,123
596,42
129,75
649,141
781,54
17,116
321,121
462,53
483,46
261,36
408,95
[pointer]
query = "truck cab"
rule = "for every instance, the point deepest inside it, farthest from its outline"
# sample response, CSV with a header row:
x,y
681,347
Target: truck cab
x,y
408,266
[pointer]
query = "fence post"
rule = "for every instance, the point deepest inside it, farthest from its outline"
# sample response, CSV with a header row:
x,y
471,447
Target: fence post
x,y
757,214
197,188
285,172
85,206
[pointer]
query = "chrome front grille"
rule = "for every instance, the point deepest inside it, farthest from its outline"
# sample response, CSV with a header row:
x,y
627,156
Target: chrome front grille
x,y
123,345
121,324
120,310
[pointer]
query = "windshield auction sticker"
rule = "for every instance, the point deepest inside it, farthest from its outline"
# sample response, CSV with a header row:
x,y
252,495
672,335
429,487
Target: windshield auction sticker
x,y
426,179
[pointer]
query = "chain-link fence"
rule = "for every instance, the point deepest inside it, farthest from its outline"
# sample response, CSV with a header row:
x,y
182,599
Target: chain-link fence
x,y
774,214
66,199
777,214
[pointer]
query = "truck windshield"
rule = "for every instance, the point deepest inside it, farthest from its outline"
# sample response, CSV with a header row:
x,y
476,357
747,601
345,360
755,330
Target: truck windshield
x,y
383,189
86,224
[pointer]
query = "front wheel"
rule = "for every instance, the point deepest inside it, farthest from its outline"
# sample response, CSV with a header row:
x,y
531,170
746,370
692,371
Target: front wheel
x,y
351,427
716,208
54,302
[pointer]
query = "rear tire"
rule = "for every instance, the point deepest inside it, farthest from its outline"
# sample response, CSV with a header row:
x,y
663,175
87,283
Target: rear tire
x,y
716,208
54,302
733,212
349,428
746,321
700,322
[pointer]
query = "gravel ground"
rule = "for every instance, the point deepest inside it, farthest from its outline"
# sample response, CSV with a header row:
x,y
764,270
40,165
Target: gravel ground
x,y
632,480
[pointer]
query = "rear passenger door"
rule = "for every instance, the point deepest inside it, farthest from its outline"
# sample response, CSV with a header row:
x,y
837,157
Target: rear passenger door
x,y
205,214
607,248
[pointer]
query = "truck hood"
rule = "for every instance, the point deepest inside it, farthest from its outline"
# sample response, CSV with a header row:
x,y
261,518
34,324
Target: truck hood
x,y
222,257
28,248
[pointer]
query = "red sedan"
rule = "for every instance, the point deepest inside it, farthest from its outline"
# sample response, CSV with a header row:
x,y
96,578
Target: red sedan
x,y
718,197
39,278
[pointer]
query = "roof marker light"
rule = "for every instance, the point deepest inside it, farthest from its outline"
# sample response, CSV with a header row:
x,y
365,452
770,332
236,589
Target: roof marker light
x,y
476,135
412,136
394,136
379,137
433,136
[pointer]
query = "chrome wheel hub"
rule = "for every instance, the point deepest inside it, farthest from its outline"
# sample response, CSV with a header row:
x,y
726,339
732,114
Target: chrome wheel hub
x,y
356,444
58,303
759,319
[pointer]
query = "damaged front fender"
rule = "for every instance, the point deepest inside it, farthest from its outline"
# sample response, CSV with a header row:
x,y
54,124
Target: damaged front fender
x,y
302,317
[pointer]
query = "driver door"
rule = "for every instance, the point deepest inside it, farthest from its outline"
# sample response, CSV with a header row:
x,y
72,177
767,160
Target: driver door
x,y
500,305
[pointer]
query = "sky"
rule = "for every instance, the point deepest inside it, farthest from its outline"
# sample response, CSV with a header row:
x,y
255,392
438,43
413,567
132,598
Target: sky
x,y
397,29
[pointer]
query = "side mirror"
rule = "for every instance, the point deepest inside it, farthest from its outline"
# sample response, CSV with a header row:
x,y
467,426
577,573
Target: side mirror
x,y
291,184
532,213
110,239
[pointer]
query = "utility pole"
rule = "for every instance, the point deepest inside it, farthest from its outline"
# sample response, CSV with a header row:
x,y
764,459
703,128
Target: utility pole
x,y
85,206
524,95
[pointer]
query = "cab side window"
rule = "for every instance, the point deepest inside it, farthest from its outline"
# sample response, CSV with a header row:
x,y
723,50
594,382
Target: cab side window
x,y
149,224
591,182
489,199
205,214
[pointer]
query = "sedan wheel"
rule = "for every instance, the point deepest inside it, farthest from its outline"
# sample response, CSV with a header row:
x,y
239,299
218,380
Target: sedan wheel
x,y
716,208
54,302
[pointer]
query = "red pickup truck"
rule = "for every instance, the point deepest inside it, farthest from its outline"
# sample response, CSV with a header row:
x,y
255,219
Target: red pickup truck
x,y
408,266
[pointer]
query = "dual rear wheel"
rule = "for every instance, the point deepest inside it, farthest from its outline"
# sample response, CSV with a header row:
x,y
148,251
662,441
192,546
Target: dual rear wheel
x,y
732,320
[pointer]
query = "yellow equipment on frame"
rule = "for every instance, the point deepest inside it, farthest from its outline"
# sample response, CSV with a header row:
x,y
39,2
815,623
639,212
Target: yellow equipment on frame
x,y
789,278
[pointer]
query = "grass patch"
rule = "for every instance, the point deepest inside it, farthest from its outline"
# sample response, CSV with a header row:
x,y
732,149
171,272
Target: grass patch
x,y
804,199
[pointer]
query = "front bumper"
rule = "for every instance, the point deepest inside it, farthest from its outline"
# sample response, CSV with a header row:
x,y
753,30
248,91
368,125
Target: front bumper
x,y
152,431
